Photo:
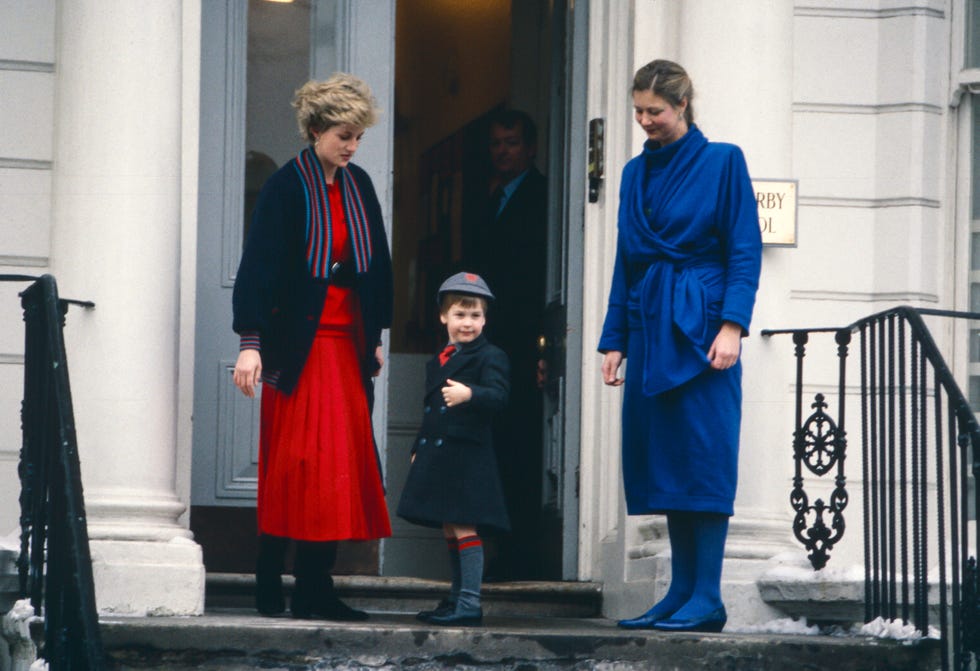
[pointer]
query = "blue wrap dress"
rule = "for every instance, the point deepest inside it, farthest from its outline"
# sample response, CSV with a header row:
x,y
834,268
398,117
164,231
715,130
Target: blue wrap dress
x,y
688,258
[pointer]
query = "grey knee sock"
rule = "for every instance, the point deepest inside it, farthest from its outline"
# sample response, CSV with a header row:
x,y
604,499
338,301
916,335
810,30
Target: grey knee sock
x,y
470,574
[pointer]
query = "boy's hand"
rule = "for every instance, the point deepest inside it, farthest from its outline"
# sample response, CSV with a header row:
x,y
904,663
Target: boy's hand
x,y
455,393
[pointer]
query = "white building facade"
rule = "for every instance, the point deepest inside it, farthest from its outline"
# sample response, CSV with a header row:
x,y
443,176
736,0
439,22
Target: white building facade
x,y
107,181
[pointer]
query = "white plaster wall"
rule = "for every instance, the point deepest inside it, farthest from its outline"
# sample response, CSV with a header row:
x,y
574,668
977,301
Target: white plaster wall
x,y
27,30
26,91
25,214
26,119
872,155
869,150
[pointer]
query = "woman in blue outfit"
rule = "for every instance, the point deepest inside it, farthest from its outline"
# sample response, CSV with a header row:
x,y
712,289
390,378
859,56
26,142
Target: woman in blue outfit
x,y
687,268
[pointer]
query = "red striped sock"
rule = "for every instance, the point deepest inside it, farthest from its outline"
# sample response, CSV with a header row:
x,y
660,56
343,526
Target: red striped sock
x,y
467,542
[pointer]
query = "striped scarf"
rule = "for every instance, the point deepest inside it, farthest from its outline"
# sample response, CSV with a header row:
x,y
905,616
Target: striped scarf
x,y
319,233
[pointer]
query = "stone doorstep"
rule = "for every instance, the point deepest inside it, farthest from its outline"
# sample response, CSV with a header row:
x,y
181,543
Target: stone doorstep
x,y
828,596
839,599
234,640
410,595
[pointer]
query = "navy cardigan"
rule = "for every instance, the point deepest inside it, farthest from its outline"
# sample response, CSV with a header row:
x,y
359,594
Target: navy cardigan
x,y
277,303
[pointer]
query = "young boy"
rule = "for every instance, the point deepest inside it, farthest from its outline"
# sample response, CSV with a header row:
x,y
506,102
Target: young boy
x,y
453,482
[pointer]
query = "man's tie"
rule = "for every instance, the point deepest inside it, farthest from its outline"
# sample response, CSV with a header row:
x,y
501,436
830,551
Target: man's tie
x,y
495,198
446,353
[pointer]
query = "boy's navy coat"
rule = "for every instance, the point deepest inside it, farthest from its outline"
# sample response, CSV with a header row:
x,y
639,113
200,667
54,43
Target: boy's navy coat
x,y
454,478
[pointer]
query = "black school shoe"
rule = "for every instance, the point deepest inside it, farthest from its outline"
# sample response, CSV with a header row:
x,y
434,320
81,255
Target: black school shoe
x,y
459,617
445,607
325,607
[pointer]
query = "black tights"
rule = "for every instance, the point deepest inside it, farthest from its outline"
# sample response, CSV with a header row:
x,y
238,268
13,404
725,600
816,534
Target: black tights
x,y
313,560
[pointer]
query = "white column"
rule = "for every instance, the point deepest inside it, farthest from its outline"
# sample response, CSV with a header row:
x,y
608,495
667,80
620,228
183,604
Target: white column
x,y
744,95
116,241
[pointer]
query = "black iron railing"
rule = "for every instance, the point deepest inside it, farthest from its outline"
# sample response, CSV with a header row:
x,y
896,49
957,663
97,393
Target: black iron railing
x,y
920,455
55,566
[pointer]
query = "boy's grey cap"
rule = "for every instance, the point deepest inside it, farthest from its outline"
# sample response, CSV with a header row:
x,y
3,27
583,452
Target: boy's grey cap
x,y
465,283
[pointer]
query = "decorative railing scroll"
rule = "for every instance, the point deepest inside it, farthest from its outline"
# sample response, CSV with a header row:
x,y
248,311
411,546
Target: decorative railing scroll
x,y
819,444
919,458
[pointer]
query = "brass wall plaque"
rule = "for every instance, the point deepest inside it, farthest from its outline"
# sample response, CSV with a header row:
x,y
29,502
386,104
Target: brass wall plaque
x,y
776,200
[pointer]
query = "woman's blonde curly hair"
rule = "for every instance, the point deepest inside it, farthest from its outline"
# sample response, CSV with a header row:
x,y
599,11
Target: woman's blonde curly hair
x,y
342,99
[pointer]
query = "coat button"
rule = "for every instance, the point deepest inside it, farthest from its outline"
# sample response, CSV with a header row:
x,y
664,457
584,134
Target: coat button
x,y
442,410
427,410
438,442
421,441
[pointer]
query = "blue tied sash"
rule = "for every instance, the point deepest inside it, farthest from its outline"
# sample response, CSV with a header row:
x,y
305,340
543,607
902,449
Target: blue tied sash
x,y
673,308
674,321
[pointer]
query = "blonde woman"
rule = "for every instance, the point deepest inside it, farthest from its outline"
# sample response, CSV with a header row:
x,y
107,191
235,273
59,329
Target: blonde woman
x,y
311,296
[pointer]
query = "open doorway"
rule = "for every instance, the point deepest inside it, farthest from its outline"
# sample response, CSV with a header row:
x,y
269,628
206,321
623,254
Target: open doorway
x,y
457,66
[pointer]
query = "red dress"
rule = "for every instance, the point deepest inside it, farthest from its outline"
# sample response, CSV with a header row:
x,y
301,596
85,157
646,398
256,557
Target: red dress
x,y
319,477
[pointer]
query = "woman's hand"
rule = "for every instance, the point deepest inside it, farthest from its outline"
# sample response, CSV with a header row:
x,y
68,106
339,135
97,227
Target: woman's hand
x,y
248,371
726,347
610,368
379,356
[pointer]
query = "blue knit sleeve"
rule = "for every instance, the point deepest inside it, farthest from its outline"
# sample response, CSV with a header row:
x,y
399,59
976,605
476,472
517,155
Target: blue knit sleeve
x,y
743,244
615,331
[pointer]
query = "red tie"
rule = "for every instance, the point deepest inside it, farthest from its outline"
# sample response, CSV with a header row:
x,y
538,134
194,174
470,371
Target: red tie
x,y
444,355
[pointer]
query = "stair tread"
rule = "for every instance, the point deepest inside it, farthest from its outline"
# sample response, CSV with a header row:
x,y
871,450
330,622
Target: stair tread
x,y
422,585
223,635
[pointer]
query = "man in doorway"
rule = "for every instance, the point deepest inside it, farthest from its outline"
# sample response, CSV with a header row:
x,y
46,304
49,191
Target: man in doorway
x,y
512,256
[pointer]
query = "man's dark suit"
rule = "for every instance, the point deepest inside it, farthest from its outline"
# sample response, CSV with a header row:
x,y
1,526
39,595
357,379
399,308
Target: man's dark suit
x,y
512,256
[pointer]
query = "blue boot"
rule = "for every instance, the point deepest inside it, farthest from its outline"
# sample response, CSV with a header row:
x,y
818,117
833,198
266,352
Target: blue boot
x,y
704,611
713,622
681,533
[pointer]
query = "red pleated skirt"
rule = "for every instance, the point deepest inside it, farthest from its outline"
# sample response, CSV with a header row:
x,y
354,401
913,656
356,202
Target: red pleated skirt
x,y
319,478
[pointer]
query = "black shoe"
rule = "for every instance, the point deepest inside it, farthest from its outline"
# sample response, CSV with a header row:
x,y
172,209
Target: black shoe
x,y
269,600
327,607
444,608
273,609
459,617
